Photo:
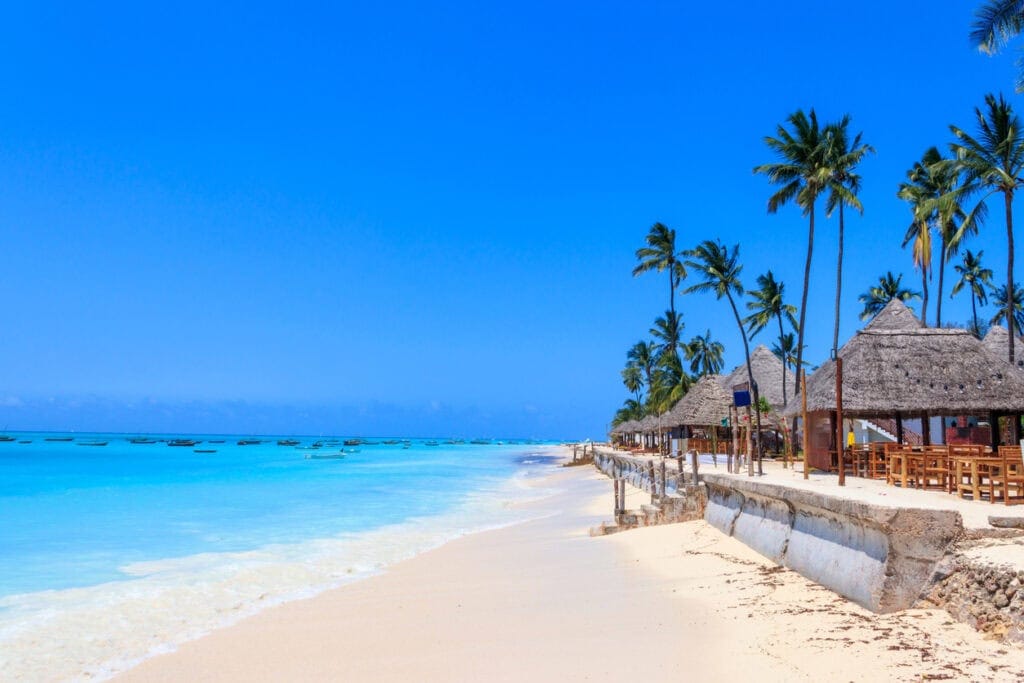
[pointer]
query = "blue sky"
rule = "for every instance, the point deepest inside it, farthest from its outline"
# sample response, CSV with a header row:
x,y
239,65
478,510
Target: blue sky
x,y
411,218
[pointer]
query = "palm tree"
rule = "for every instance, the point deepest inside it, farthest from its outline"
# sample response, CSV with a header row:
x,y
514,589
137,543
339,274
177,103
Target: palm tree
x,y
842,158
720,269
630,410
933,193
803,174
920,233
768,304
997,22
667,331
994,162
785,350
660,254
977,278
633,379
887,289
670,383
1003,305
642,354
705,355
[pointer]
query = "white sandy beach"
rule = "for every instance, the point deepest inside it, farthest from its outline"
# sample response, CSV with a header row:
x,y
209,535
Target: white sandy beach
x,y
544,601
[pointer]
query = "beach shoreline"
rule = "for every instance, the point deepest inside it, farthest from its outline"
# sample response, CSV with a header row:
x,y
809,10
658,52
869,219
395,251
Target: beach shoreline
x,y
543,600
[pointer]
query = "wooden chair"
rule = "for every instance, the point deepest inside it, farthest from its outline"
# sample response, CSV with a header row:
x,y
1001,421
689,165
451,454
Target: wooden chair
x,y
1006,479
932,467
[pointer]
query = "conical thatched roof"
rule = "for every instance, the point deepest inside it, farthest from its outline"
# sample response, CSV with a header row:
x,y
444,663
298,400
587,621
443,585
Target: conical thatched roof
x,y
767,370
915,371
895,316
997,341
648,424
706,403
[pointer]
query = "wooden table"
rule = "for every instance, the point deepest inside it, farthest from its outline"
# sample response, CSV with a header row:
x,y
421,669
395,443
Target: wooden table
x,y
976,467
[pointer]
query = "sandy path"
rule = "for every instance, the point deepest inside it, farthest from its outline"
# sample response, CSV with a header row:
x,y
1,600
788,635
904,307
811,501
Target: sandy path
x,y
543,601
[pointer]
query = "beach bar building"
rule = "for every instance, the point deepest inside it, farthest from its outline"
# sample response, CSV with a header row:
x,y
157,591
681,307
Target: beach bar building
x,y
896,368
700,419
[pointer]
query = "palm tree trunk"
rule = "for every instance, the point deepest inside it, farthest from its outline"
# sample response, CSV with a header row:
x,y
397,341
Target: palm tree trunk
x,y
803,295
781,334
1008,197
839,281
671,289
924,299
942,272
974,312
753,385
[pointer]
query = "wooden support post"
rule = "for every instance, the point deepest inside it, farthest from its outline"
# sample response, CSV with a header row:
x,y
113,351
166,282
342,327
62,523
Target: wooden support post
x,y
750,443
840,446
663,477
615,489
695,459
926,430
993,420
899,428
734,422
803,406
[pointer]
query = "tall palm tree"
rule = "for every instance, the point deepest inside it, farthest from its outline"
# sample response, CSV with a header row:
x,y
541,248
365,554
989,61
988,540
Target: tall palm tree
x,y
994,162
887,289
842,157
802,174
768,304
720,269
660,255
630,410
642,354
920,235
996,22
932,189
667,332
973,275
1004,303
633,379
705,355
669,383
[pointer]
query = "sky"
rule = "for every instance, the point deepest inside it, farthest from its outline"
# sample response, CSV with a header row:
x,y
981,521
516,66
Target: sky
x,y
420,219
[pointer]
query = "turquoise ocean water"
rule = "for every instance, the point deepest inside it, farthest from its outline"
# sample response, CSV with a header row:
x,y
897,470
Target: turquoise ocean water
x,y
109,554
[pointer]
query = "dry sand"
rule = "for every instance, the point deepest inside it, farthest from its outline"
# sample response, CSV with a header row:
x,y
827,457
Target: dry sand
x,y
543,601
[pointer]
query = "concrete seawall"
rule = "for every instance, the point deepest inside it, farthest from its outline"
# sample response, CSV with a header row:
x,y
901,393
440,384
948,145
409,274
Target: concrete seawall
x,y
880,557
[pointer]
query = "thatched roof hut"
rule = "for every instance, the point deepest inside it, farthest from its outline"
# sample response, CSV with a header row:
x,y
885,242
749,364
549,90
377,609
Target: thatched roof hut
x,y
767,370
998,340
895,316
705,404
914,371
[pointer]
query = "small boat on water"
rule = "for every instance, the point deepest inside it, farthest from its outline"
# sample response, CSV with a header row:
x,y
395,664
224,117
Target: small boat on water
x,y
183,443
249,442
287,442
481,442
324,456
391,442
141,440
217,441
93,443
351,442
6,439
204,450
24,442
59,438
430,443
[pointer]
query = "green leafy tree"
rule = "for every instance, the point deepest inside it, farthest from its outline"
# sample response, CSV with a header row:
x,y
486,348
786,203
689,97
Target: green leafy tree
x,y
667,332
643,354
887,289
977,279
660,255
705,355
670,383
630,410
802,175
993,162
719,268
842,157
768,304
633,380
785,350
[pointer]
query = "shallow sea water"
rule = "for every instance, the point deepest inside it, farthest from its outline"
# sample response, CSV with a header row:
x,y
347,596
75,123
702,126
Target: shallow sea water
x,y
110,554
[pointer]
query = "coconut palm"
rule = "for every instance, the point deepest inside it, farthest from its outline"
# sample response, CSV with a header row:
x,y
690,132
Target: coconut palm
x,y
1003,304
996,22
660,255
932,189
705,355
669,384
630,410
994,162
842,157
720,269
977,278
887,289
643,354
802,174
785,350
919,234
667,332
768,304
633,379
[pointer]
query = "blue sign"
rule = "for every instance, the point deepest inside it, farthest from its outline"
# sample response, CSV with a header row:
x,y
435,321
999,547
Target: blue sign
x,y
741,395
